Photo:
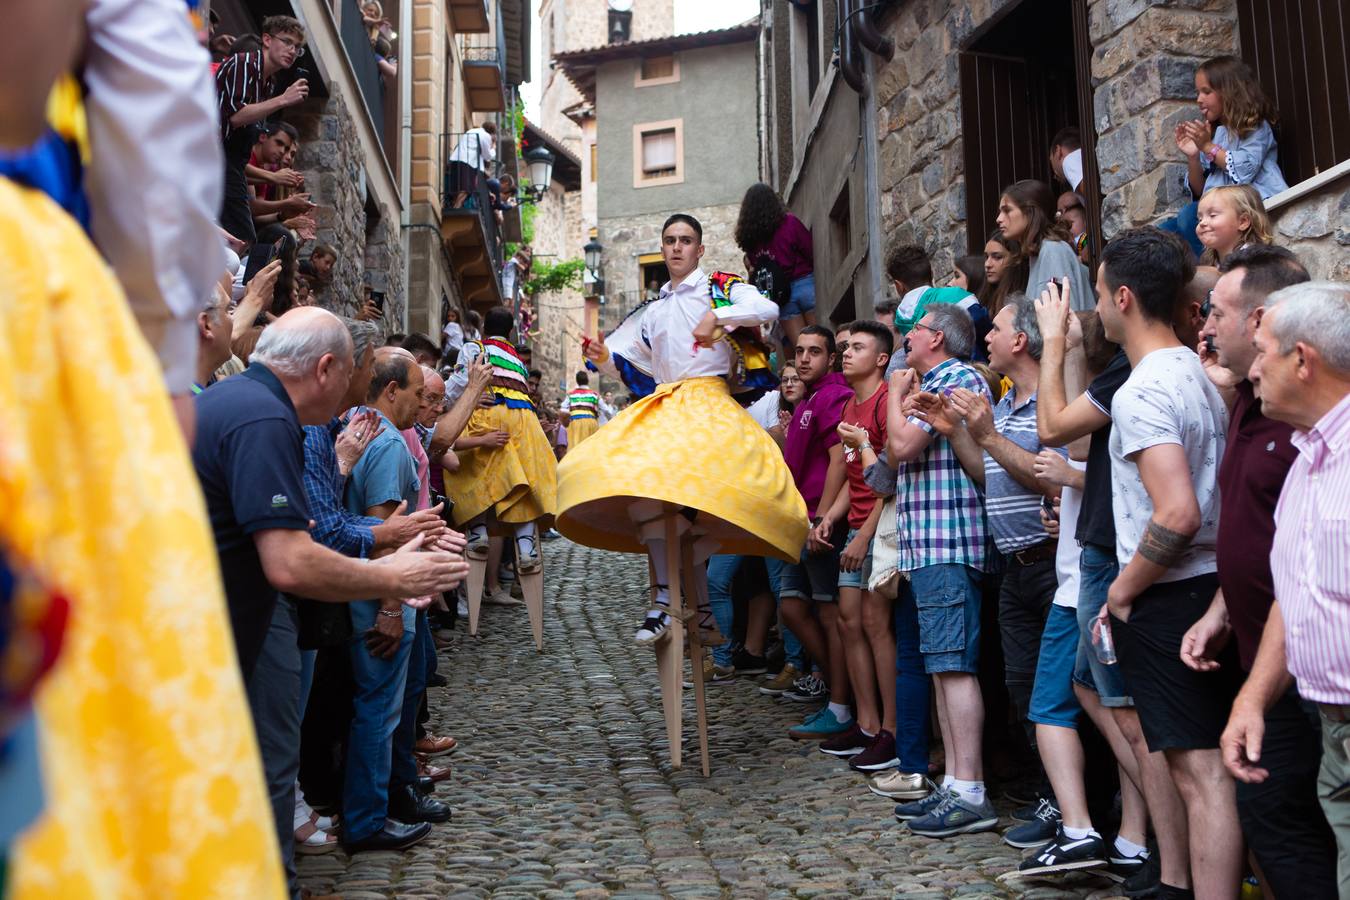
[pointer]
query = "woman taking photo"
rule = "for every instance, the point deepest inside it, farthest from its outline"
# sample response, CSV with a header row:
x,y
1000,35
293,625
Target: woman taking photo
x,y
1026,214
777,244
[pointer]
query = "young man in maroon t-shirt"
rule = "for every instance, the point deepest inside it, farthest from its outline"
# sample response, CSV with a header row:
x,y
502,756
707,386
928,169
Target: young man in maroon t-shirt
x,y
864,618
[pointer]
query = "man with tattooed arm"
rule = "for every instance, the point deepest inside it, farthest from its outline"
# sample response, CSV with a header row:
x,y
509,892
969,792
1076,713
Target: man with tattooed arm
x,y
1167,440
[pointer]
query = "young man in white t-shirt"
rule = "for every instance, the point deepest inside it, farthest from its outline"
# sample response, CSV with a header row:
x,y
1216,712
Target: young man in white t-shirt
x,y
1169,427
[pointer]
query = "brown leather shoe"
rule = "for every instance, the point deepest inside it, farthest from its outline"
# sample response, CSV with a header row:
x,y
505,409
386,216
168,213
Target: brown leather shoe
x,y
437,774
435,746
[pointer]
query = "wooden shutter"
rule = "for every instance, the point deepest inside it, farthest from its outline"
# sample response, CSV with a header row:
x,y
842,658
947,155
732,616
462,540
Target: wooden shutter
x,y
1298,49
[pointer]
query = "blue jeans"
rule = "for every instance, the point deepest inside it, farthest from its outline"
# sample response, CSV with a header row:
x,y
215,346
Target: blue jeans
x,y
1097,568
722,569
793,653
403,770
948,597
802,297
274,700
911,685
377,706
1184,224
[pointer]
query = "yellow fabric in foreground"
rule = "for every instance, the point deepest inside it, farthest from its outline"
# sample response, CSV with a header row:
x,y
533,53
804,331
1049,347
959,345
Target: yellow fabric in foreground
x,y
578,430
518,482
689,444
154,785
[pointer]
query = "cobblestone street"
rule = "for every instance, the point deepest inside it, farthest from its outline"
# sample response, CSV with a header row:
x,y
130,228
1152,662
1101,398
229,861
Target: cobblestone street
x,y
562,785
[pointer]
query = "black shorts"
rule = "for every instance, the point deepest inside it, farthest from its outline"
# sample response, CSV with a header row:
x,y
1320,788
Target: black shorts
x,y
1179,708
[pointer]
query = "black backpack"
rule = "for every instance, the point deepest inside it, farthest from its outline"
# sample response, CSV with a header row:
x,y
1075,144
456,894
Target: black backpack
x,y
771,279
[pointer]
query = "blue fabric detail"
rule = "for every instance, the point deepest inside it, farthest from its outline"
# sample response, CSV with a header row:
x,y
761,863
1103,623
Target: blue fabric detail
x,y
639,382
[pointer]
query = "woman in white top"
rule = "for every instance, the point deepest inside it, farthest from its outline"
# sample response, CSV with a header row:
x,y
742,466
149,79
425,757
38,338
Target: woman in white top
x,y
471,161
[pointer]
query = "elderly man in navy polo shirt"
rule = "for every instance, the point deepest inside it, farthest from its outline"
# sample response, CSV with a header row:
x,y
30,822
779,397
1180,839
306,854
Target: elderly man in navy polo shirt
x,y
249,456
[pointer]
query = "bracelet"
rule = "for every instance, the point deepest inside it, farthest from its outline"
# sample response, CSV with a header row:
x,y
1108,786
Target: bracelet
x,y
865,445
392,613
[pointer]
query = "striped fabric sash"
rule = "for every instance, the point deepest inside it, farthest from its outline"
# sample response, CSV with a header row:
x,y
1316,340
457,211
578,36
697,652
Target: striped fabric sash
x,y
752,368
508,374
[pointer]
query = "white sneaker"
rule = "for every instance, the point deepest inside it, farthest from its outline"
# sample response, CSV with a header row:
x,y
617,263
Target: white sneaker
x,y
653,627
462,609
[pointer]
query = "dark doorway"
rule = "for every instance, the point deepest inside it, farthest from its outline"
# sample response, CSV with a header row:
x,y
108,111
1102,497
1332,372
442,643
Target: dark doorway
x,y
1024,76
653,275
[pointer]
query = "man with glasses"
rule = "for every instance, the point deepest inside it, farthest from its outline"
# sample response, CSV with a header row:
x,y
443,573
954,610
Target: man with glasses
x,y
245,85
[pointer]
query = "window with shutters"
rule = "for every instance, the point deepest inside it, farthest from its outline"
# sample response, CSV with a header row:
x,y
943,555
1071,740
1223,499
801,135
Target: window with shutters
x,y
1299,51
658,153
595,161
652,70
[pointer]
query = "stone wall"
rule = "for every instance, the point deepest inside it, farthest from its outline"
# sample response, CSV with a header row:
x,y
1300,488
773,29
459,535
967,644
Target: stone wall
x,y
1143,70
368,252
628,237
559,235
1317,228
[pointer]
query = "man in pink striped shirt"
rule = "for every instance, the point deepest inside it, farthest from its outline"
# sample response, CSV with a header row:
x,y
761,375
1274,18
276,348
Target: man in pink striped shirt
x,y
1302,370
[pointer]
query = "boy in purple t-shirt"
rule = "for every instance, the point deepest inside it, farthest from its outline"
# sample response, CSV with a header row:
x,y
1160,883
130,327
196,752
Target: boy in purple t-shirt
x,y
809,589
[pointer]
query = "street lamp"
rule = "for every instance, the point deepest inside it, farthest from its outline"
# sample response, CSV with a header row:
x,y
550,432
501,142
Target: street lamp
x,y
540,162
595,286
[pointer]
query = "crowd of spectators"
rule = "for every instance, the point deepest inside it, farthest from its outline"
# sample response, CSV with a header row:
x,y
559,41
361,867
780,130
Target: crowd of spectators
x,y
1072,510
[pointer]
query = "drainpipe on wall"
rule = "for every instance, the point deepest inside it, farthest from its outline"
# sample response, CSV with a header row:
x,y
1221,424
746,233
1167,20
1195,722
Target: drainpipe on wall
x,y
871,183
849,65
405,64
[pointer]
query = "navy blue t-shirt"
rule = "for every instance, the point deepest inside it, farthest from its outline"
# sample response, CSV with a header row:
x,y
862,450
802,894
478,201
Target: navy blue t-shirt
x,y
250,460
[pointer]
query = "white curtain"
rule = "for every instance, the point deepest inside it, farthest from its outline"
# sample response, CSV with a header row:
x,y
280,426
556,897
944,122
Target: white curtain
x,y
658,150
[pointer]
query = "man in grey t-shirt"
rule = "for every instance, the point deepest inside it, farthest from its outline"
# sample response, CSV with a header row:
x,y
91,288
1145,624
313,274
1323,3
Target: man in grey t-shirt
x,y
1169,426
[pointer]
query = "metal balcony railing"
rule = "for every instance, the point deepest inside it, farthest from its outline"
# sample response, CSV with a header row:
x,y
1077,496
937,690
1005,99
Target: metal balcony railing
x,y
465,190
364,68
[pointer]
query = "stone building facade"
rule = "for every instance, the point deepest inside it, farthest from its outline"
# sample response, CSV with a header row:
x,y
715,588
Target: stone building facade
x,y
1126,78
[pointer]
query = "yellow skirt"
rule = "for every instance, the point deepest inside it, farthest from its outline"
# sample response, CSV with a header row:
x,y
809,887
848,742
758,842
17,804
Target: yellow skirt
x,y
518,482
153,782
580,429
688,444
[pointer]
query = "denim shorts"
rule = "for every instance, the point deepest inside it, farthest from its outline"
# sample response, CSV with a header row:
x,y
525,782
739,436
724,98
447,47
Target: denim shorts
x,y
1052,698
1097,568
802,298
815,576
863,574
948,601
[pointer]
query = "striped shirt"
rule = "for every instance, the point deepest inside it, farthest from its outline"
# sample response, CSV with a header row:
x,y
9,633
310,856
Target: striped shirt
x,y
239,83
583,403
939,509
1014,512
1310,559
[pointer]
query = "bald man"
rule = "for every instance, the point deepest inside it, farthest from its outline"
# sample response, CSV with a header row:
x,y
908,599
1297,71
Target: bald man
x,y
249,457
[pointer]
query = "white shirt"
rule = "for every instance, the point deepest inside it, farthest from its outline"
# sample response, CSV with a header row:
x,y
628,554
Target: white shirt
x,y
1167,399
154,180
666,348
476,149
1073,169
765,410
1067,550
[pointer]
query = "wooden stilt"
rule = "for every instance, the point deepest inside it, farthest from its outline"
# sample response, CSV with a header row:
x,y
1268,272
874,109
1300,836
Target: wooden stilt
x,y
670,649
477,572
696,651
532,587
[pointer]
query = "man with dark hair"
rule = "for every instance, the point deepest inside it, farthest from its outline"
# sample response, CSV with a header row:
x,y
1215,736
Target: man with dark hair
x,y
265,174
508,483
809,588
864,617
1280,817
244,90
1066,157
1167,439
582,406
911,274
687,220
941,534
423,349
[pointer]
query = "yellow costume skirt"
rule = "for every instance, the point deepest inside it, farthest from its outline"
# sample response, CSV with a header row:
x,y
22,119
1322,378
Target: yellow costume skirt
x,y
153,783
580,429
688,444
518,482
